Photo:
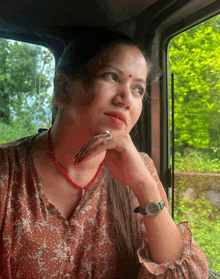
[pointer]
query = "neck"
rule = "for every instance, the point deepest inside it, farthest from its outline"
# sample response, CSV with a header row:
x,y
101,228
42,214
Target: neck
x,y
65,144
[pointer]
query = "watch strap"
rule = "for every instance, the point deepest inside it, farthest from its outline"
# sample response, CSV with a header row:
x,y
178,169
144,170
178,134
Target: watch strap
x,y
141,210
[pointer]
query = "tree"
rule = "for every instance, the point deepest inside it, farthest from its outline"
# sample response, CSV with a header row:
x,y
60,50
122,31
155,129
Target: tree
x,y
25,76
194,59
4,106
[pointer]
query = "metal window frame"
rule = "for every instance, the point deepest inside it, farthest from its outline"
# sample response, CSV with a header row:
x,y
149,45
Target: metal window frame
x,y
166,35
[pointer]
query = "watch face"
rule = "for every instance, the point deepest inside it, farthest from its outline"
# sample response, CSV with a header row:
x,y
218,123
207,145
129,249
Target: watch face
x,y
152,208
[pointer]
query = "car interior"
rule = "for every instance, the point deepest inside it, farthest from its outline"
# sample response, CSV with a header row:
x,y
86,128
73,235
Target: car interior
x,y
54,23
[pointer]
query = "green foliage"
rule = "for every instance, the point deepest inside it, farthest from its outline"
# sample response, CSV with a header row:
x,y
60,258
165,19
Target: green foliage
x,y
195,62
194,59
25,76
19,129
196,160
204,222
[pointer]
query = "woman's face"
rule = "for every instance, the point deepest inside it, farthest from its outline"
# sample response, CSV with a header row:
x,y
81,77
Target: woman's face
x,y
118,87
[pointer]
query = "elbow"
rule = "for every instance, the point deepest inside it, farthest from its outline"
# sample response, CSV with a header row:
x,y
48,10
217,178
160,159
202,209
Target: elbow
x,y
168,255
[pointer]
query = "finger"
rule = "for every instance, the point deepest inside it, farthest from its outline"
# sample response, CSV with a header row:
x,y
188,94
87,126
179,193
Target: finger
x,y
81,151
94,151
85,152
79,159
81,156
83,148
86,145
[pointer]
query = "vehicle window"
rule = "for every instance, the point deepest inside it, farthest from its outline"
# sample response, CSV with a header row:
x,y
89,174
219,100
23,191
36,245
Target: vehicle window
x,y
194,61
26,89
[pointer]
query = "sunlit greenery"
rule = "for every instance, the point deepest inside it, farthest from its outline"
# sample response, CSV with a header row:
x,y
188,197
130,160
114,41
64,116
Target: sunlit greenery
x,y
197,160
204,222
195,62
26,74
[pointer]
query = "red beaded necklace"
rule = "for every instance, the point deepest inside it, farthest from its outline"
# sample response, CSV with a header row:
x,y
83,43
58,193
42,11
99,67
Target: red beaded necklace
x,y
63,171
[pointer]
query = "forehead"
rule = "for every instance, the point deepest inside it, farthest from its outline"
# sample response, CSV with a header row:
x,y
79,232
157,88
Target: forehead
x,y
125,57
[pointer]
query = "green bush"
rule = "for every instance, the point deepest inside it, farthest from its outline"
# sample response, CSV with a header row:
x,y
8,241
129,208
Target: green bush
x,y
204,222
196,160
16,131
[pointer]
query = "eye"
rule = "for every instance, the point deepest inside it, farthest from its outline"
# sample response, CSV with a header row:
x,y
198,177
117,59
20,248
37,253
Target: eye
x,y
139,90
111,76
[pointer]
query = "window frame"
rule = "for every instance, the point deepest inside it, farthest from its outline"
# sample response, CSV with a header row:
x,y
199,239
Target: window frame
x,y
168,32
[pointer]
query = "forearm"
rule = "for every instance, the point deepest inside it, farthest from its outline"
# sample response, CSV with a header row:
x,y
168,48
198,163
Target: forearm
x,y
165,241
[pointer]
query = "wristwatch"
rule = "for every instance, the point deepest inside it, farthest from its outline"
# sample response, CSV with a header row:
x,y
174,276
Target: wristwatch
x,y
152,208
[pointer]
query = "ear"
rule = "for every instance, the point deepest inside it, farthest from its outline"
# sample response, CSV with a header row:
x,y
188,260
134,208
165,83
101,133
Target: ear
x,y
62,84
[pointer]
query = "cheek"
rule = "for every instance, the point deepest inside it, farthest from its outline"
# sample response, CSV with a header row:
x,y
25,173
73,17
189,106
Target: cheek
x,y
82,96
136,114
138,109
100,95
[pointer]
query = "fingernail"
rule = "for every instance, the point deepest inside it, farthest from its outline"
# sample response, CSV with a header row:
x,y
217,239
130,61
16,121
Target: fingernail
x,y
81,157
81,151
78,153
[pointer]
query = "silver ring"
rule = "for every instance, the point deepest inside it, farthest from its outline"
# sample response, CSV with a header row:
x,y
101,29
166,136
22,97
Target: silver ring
x,y
107,135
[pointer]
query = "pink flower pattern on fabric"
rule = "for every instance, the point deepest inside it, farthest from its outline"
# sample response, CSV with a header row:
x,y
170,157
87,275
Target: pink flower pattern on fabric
x,y
37,241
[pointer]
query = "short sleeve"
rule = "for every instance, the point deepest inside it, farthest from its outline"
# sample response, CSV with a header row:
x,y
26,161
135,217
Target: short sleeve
x,y
193,263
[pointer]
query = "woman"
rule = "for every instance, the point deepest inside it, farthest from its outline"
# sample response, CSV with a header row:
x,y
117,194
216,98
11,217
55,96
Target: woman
x,y
68,195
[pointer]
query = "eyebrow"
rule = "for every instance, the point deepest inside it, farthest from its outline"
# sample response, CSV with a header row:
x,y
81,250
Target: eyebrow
x,y
121,72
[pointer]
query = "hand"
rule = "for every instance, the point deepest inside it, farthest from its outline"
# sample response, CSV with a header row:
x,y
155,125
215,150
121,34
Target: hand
x,y
122,158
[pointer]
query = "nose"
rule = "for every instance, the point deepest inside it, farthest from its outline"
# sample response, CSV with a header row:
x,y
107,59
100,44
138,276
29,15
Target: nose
x,y
124,97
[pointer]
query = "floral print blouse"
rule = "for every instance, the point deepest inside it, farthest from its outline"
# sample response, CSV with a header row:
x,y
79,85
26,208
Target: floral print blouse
x,y
37,241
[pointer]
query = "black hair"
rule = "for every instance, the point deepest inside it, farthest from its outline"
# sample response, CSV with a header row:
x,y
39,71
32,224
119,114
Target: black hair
x,y
89,44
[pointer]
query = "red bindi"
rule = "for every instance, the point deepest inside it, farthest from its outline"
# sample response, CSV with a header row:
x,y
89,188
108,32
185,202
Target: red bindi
x,y
130,75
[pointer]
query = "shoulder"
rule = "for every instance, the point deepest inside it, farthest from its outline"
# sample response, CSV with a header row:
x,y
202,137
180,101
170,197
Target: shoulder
x,y
16,143
14,150
22,143
12,157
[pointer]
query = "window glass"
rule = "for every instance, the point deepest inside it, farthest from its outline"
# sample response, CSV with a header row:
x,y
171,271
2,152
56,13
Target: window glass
x,y
195,62
26,89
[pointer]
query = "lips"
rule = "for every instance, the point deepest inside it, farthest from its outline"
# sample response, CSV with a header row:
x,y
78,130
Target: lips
x,y
118,115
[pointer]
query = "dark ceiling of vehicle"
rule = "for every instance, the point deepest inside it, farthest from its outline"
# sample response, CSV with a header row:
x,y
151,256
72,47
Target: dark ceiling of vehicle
x,y
63,18
49,13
